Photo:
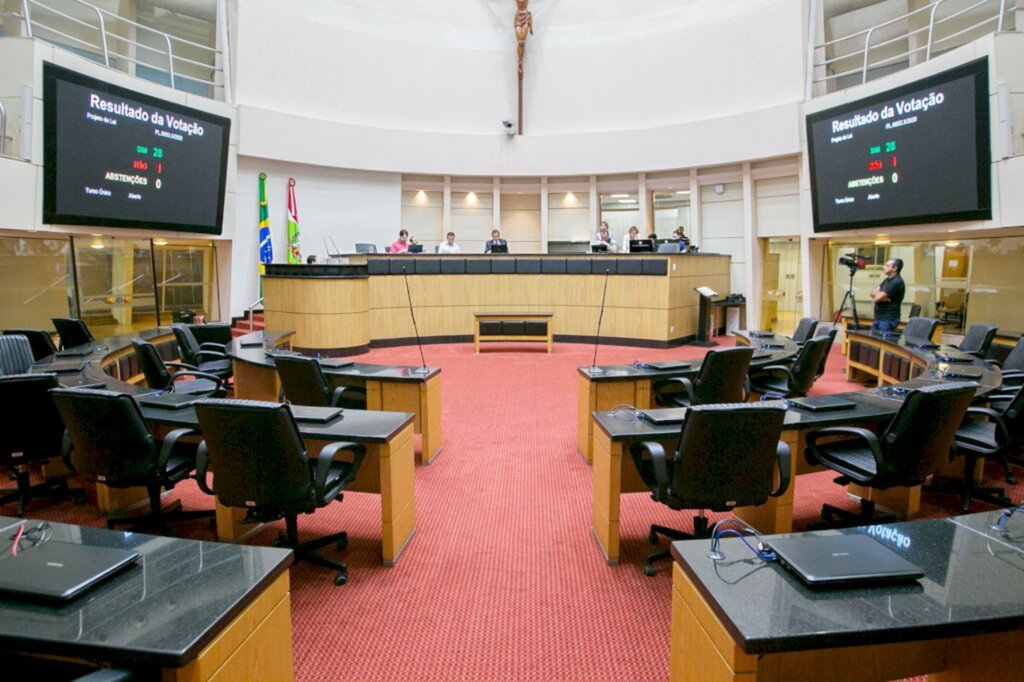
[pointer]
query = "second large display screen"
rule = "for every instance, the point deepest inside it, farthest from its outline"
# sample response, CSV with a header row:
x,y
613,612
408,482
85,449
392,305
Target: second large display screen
x,y
916,154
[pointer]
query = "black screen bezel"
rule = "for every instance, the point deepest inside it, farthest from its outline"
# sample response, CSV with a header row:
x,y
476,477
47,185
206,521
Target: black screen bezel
x,y
51,155
982,145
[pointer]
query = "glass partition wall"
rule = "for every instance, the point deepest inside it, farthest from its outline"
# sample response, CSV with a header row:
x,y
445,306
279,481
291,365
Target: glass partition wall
x,y
108,282
960,282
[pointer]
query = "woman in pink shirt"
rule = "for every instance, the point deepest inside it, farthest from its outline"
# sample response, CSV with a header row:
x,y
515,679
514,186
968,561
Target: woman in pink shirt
x,y
402,245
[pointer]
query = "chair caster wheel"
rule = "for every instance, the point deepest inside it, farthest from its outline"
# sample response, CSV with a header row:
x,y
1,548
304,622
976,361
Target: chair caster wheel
x,y
342,543
1012,480
652,538
649,571
79,497
280,540
341,577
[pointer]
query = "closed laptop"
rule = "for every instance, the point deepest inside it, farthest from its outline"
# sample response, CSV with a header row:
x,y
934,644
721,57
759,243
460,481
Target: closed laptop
x,y
823,560
822,403
60,571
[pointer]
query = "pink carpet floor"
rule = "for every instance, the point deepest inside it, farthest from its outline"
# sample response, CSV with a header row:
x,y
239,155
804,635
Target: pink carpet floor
x,y
503,579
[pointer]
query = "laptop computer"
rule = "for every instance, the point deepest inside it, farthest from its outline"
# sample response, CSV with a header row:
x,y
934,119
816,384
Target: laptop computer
x,y
962,372
822,403
335,363
666,365
598,248
60,571
76,352
826,560
59,367
763,335
415,248
499,248
668,415
169,401
950,357
641,246
315,415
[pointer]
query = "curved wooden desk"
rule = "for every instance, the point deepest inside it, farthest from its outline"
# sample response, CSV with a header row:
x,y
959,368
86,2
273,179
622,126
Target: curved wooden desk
x,y
344,309
888,359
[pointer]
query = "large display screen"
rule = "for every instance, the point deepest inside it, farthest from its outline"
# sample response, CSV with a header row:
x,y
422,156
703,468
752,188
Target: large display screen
x,y
117,158
916,154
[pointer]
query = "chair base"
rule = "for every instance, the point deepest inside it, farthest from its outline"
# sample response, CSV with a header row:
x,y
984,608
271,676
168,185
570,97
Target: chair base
x,y
950,485
834,517
159,517
304,551
700,530
53,488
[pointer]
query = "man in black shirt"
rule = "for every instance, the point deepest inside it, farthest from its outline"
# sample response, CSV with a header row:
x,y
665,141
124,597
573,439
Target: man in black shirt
x,y
888,296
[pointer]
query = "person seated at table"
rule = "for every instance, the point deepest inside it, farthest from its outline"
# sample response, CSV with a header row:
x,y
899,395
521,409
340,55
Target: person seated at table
x,y
401,245
605,239
495,240
653,236
449,245
311,259
679,235
634,233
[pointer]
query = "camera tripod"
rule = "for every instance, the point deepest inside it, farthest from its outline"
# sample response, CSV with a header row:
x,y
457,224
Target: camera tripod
x,y
848,296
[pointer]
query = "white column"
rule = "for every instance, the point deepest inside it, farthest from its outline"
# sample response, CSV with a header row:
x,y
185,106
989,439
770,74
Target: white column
x,y
446,206
693,230
753,268
496,211
544,215
595,208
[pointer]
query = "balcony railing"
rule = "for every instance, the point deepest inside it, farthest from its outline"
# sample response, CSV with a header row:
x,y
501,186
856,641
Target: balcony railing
x,y
116,42
899,42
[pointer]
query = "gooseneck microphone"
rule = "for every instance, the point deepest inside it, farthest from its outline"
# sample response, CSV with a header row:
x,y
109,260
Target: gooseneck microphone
x,y
422,369
594,369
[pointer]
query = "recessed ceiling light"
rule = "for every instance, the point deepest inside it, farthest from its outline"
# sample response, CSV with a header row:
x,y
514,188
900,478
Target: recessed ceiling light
x,y
627,201
952,245
160,242
682,191
618,196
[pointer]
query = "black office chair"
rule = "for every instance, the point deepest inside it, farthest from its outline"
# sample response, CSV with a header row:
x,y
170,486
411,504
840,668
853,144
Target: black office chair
x,y
910,449
991,433
31,431
805,329
829,330
722,379
978,339
726,458
15,354
40,341
108,442
303,383
211,358
272,476
921,328
72,332
793,380
155,367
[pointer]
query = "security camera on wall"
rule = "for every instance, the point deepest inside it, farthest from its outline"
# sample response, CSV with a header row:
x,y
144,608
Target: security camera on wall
x,y
510,128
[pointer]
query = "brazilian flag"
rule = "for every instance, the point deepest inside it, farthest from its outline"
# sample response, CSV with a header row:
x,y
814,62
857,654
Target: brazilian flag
x,y
266,246
294,254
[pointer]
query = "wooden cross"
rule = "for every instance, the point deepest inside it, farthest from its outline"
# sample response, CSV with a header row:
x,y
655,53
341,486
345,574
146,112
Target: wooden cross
x,y
523,26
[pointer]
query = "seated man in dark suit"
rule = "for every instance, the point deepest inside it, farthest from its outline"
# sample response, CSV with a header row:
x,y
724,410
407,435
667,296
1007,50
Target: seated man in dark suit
x,y
496,240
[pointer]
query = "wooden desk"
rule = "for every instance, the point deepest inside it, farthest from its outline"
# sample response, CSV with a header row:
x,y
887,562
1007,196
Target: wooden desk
x,y
194,610
388,387
387,470
739,619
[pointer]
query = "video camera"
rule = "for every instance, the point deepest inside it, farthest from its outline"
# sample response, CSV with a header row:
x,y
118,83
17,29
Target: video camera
x,y
854,262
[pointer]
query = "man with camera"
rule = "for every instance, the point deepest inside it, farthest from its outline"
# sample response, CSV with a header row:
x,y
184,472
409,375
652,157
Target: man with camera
x,y
888,296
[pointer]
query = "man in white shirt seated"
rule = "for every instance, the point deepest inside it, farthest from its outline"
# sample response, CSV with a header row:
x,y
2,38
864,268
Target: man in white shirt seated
x,y
449,246
604,242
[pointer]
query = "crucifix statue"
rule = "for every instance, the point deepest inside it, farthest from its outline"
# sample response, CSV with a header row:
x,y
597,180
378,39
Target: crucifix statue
x,y
523,25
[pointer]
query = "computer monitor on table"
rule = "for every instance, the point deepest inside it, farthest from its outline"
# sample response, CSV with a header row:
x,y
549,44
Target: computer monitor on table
x,y
641,246
499,248
415,248
598,248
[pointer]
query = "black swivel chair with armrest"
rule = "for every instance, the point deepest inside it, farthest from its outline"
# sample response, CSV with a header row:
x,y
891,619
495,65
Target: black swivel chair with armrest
x,y
829,330
978,340
303,383
108,442
40,341
1012,367
905,454
155,367
15,354
789,381
208,357
722,379
272,477
30,431
991,433
72,332
920,329
726,458
805,330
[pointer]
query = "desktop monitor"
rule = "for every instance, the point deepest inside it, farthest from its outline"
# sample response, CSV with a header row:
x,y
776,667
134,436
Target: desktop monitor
x,y
641,246
499,248
598,248
415,248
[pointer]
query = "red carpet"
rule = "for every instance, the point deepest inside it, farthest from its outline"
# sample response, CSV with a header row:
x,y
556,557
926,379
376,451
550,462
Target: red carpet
x,y
503,579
